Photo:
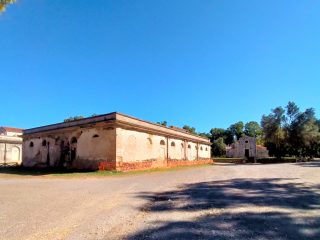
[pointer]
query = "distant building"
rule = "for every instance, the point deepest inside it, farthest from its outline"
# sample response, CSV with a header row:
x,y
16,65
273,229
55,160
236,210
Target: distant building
x,y
112,141
10,146
246,147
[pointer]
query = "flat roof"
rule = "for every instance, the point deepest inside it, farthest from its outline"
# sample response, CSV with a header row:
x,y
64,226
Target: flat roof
x,y
119,118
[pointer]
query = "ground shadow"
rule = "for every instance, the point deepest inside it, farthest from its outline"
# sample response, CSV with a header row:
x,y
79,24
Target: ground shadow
x,y
220,202
309,164
23,171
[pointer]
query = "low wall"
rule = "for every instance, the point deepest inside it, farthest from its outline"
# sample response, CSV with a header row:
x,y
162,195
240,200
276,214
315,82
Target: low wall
x,y
151,164
176,163
141,165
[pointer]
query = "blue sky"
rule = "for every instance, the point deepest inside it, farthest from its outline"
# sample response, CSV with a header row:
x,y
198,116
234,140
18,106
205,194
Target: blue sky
x,y
202,63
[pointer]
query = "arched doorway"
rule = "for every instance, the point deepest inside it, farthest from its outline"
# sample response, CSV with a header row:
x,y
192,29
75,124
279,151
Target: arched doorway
x,y
15,154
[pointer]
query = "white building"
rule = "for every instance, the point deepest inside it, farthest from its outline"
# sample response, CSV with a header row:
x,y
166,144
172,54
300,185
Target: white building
x,y
10,146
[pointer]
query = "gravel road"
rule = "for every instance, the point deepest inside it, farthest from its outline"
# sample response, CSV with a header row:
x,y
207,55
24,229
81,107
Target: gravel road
x,y
222,201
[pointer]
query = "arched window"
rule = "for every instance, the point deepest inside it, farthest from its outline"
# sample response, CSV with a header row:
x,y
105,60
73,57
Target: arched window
x,y
173,144
95,136
74,140
206,149
31,144
44,143
201,148
189,146
162,142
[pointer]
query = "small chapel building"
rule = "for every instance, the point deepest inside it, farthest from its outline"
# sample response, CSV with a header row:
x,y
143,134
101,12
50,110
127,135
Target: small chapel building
x,y
112,141
246,147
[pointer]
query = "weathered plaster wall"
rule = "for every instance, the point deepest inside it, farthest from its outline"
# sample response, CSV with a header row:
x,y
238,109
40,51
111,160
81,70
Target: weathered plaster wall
x,y
140,150
91,146
10,153
135,146
96,146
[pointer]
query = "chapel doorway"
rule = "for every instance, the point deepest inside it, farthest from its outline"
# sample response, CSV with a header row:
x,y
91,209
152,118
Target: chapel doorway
x,y
247,154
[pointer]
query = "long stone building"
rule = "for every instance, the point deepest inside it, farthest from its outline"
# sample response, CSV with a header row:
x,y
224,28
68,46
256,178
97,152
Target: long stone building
x,y
10,146
112,141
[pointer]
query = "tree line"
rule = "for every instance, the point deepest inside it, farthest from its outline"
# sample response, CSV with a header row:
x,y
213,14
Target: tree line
x,y
286,131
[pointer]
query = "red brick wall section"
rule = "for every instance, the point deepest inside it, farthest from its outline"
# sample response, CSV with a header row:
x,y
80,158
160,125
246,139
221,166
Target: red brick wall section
x,y
111,166
176,163
149,164
143,165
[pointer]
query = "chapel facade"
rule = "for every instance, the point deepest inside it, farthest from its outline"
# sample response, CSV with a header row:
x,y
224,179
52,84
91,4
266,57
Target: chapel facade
x,y
246,147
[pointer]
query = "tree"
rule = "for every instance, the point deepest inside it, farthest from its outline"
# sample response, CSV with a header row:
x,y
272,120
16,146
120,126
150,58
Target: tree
x,y
291,132
274,131
70,119
4,3
218,148
252,129
217,133
203,134
189,129
303,134
163,123
237,129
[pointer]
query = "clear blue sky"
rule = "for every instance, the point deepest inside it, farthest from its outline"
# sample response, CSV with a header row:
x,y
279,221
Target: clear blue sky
x,y
205,63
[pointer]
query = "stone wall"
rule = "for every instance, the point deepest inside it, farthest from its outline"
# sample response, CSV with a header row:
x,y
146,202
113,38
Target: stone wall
x,y
140,150
81,148
10,153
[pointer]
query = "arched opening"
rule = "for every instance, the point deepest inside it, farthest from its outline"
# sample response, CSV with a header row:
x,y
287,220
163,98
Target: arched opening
x,y
31,144
15,155
189,146
201,148
95,136
162,142
44,143
173,144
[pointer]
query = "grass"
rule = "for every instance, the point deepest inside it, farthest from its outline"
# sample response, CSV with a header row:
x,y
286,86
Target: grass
x,y
20,171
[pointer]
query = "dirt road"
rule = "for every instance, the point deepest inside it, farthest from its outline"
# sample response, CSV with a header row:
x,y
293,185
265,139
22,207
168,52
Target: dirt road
x,y
278,201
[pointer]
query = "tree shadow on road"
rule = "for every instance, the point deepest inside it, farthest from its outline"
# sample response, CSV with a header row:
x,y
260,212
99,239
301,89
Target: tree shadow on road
x,y
237,209
22,171
309,164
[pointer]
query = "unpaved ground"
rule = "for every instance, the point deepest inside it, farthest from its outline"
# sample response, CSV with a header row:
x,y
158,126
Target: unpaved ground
x,y
280,201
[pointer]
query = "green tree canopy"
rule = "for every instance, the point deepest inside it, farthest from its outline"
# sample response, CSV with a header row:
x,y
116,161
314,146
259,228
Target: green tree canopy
x,y
237,129
218,147
4,3
70,119
291,132
189,129
163,123
252,129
